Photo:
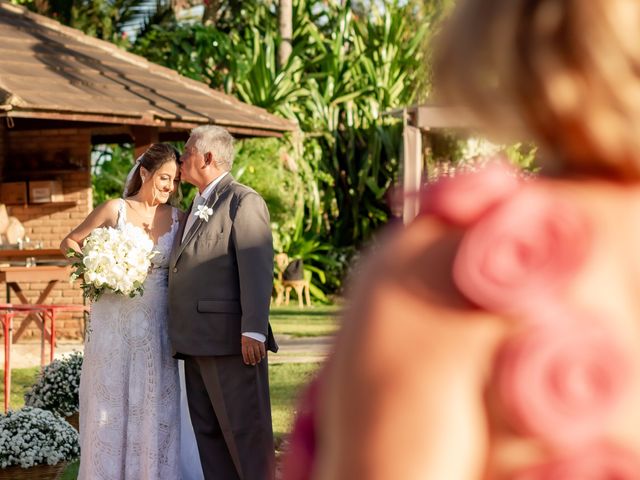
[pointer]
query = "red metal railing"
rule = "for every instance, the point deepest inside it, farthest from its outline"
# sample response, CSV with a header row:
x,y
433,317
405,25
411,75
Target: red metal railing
x,y
46,312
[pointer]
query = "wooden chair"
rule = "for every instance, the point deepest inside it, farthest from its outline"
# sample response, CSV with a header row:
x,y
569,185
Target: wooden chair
x,y
283,287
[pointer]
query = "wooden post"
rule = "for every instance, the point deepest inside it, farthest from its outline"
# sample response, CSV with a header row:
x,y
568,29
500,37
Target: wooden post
x,y
143,138
3,144
412,171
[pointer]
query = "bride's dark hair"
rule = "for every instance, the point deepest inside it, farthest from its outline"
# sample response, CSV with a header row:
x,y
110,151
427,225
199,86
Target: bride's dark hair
x,y
156,155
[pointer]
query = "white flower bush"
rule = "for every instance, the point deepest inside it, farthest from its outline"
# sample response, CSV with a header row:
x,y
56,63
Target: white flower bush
x,y
476,153
33,436
57,386
115,260
474,148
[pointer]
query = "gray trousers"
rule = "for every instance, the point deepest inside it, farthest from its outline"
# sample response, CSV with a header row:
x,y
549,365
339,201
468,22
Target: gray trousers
x,y
231,415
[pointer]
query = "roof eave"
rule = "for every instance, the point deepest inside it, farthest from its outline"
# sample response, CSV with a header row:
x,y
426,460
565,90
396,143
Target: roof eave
x,y
148,121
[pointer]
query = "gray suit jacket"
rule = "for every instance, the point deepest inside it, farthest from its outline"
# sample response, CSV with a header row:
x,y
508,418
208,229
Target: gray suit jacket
x,y
221,275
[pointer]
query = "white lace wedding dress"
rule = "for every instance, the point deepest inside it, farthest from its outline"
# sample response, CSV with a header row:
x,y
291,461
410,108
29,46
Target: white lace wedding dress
x,y
130,412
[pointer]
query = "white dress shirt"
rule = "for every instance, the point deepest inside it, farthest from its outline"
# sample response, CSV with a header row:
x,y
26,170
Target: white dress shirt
x,y
201,199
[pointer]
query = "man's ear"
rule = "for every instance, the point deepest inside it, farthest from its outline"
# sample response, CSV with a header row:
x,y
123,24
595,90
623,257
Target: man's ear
x,y
208,158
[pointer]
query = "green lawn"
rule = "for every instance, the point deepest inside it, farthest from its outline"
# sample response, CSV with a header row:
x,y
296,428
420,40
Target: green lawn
x,y
285,382
21,380
71,473
305,322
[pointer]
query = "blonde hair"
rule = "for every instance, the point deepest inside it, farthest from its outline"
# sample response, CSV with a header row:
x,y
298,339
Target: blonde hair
x,y
565,73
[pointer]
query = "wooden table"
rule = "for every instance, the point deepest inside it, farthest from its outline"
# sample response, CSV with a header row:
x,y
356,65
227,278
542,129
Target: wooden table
x,y
13,276
38,253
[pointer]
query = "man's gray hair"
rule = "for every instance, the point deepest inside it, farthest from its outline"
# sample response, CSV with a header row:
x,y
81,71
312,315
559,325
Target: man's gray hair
x,y
218,141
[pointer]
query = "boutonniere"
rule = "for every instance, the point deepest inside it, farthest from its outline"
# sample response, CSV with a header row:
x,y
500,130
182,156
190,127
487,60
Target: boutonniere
x,y
203,212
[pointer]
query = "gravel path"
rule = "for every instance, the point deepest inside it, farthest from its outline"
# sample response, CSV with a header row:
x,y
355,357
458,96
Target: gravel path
x,y
292,350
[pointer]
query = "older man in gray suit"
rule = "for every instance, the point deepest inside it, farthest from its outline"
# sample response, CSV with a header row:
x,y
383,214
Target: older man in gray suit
x,y
220,280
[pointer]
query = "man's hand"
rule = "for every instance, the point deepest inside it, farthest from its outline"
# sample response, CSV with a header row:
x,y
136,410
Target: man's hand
x,y
253,351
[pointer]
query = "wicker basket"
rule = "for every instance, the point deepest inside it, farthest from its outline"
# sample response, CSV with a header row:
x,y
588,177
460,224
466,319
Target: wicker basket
x,y
74,420
37,472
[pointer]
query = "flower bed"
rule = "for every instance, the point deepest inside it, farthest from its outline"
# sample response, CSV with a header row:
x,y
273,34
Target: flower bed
x,y
33,436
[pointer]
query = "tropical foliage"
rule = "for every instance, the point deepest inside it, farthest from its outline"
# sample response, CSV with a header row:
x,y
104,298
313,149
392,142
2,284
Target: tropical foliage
x,y
106,19
351,63
110,165
347,68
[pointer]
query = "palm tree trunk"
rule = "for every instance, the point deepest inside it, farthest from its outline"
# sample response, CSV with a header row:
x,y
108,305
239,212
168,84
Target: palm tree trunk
x,y
285,23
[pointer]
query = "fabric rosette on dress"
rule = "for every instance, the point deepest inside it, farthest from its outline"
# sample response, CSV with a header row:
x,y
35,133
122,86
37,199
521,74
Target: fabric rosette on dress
x,y
559,378
560,381
600,462
113,260
518,257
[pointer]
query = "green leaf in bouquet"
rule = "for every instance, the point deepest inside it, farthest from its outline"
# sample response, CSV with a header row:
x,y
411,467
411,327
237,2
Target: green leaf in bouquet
x,y
71,253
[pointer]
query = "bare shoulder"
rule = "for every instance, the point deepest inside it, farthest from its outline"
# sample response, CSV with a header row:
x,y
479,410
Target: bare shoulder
x,y
410,342
112,205
411,278
108,211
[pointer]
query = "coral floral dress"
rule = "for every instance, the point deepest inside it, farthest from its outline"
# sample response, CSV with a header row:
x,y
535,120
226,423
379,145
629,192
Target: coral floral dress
x,y
530,316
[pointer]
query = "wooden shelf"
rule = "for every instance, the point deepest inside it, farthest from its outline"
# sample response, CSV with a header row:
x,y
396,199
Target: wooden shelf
x,y
38,253
39,173
69,203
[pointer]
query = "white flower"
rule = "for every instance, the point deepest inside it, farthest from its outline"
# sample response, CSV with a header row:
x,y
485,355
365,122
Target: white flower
x,y
203,212
479,147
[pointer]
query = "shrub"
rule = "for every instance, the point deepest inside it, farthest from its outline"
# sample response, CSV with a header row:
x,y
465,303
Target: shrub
x,y
57,386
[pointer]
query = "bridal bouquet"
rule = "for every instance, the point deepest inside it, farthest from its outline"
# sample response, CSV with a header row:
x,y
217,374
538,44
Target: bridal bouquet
x,y
115,260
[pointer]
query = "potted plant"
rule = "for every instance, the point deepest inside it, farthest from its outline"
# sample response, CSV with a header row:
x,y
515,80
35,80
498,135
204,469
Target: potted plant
x,y
57,388
35,444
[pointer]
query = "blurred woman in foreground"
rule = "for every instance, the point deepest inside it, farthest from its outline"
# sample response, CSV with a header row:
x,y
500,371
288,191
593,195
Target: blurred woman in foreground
x,y
498,335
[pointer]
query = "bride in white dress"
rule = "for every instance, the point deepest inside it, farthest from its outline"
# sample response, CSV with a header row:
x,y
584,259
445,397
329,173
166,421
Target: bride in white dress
x,y
134,420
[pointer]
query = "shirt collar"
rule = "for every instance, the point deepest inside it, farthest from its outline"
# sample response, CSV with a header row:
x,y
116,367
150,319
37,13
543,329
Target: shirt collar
x,y
206,193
